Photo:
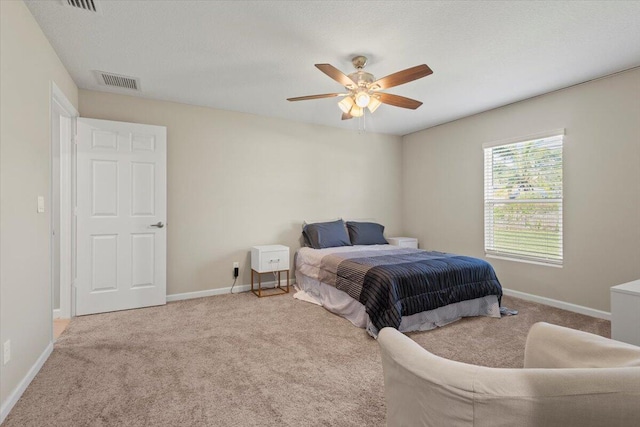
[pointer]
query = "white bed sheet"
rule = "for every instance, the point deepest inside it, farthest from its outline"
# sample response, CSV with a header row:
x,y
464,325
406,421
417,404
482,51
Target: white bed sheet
x,y
313,290
308,260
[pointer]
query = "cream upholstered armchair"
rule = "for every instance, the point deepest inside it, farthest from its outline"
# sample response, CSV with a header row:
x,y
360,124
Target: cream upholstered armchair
x,y
570,378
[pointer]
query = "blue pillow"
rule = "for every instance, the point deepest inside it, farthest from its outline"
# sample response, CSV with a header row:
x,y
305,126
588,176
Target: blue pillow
x,y
326,234
366,233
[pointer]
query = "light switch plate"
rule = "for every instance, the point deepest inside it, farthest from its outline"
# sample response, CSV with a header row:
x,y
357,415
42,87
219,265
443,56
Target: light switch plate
x,y
6,352
40,204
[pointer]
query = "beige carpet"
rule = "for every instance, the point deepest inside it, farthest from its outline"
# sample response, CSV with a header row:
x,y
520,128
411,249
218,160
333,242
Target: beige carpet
x,y
236,360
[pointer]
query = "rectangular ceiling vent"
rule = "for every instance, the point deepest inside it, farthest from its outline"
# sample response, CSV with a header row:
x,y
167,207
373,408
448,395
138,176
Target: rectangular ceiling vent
x,y
88,5
117,80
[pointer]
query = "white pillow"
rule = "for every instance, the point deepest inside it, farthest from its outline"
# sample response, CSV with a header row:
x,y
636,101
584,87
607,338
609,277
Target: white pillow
x,y
314,221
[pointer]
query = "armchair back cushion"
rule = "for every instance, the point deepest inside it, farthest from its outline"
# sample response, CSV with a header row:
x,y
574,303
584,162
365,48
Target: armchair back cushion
x,y
552,346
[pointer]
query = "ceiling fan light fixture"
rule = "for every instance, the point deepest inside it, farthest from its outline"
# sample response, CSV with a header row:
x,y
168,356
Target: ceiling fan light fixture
x,y
356,111
374,103
362,99
346,104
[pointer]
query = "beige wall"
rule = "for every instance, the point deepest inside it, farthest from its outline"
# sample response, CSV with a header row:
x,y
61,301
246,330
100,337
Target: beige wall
x,y
237,180
443,187
28,65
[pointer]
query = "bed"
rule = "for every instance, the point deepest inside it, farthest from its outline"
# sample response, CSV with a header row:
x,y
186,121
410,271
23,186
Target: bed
x,y
379,285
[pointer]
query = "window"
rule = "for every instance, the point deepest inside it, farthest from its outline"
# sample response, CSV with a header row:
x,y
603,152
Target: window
x,y
523,198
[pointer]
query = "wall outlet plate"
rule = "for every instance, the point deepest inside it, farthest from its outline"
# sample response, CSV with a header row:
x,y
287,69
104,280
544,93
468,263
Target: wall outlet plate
x,y
236,265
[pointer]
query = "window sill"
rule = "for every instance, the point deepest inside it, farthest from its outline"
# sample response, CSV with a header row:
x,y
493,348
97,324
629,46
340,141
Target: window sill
x,y
526,261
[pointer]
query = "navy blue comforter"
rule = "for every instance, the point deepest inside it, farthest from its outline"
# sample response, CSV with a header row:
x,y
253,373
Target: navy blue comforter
x,y
396,285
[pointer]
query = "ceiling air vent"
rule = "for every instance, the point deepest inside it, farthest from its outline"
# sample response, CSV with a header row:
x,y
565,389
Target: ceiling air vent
x,y
117,80
88,5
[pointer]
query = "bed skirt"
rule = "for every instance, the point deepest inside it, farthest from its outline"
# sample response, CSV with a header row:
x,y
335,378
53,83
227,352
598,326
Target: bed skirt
x,y
340,303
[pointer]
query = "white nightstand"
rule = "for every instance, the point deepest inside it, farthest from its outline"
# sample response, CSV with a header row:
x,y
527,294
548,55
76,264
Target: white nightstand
x,y
405,242
269,259
625,312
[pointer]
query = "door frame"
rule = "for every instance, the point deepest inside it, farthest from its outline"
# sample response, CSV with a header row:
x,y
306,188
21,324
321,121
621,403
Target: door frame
x,y
60,106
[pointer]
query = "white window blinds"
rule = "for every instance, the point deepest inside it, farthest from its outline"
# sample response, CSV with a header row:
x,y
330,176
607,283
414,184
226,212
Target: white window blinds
x,y
523,199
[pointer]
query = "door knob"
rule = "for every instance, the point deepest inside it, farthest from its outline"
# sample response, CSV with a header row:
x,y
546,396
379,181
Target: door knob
x,y
159,224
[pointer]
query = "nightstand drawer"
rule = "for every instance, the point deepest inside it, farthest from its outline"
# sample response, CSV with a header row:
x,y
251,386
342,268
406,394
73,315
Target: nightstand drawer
x,y
404,242
269,258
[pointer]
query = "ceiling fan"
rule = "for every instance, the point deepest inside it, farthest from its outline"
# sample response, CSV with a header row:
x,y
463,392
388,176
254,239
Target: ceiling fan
x,y
364,90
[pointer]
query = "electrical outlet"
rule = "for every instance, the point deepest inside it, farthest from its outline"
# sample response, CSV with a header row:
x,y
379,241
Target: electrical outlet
x,y
236,269
6,352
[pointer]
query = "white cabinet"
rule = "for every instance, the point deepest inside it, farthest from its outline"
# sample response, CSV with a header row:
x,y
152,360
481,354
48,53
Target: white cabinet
x,y
405,242
625,312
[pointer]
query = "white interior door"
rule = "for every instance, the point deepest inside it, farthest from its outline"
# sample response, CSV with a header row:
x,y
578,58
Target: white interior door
x,y
121,212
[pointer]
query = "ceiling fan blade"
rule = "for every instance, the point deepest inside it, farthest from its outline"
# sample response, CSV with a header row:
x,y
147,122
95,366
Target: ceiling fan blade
x,y
336,74
398,101
404,76
346,116
324,95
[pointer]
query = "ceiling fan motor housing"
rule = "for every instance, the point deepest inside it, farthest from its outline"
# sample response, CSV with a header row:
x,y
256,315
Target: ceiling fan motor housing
x,y
362,78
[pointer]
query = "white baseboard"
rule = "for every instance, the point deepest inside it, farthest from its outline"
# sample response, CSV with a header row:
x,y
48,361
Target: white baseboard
x,y
15,395
558,304
56,313
222,291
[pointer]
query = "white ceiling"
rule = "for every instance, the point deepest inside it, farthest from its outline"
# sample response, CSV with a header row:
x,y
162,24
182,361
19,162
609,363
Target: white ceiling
x,y
250,56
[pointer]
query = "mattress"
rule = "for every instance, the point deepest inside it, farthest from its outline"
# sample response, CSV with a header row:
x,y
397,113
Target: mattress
x,y
382,285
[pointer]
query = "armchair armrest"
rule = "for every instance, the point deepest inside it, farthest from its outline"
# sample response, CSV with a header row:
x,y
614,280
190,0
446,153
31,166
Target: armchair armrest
x,y
552,346
420,388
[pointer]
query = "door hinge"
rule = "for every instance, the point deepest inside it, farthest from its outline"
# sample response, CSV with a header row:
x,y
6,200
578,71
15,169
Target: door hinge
x,y
75,211
75,139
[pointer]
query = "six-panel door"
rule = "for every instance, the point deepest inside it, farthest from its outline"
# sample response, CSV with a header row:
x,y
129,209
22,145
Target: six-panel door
x,y
121,216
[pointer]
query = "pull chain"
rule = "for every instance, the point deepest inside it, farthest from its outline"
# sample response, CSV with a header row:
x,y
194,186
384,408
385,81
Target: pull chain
x,y
362,122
